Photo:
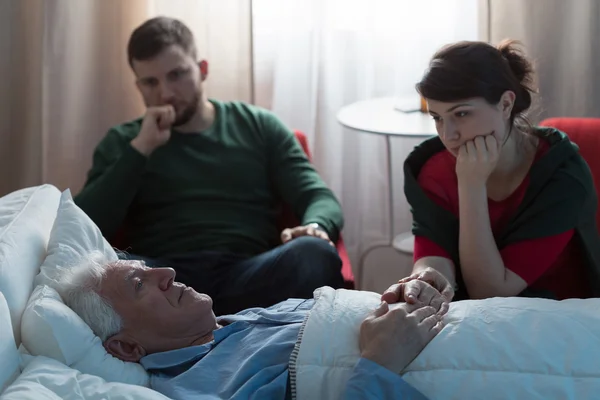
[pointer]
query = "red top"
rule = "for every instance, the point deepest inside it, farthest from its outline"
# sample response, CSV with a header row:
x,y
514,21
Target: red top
x,y
552,263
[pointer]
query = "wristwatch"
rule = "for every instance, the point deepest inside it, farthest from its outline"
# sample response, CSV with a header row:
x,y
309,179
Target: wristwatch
x,y
314,225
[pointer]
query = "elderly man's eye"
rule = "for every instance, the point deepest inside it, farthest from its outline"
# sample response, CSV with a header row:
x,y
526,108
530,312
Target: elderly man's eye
x,y
139,285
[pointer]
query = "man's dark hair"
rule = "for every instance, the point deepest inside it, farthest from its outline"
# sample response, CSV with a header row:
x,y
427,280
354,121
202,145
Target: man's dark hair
x,y
156,34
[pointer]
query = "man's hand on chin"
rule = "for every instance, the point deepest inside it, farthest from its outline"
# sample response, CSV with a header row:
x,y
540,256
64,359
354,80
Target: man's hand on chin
x,y
305,230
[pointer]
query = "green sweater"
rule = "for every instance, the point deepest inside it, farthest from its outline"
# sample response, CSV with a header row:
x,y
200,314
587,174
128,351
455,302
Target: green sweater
x,y
217,190
560,197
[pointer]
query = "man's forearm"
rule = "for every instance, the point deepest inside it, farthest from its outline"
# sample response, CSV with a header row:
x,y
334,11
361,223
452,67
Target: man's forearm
x,y
370,380
325,210
106,198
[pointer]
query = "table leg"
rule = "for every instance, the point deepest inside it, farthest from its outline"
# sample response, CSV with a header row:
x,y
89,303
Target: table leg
x,y
361,262
388,149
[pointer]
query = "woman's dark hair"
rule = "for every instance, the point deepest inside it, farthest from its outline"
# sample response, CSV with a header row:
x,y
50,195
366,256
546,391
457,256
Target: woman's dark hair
x,y
465,70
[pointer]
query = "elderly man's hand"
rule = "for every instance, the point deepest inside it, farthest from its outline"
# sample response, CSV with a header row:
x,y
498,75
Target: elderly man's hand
x,y
305,230
393,337
416,292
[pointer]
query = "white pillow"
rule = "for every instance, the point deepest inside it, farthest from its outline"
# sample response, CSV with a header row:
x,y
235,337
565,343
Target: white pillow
x,y
26,218
52,329
9,356
73,236
47,379
49,327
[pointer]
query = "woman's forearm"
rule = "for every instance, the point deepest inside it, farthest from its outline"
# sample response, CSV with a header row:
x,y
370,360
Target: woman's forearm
x,y
482,267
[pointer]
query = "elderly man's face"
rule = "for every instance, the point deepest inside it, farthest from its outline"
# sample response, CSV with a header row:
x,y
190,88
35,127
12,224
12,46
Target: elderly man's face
x,y
158,313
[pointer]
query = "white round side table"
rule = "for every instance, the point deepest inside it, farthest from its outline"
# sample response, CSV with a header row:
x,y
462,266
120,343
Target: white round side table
x,y
379,116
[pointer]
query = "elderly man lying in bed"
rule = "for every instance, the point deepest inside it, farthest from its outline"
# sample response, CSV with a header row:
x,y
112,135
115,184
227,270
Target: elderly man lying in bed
x,y
144,315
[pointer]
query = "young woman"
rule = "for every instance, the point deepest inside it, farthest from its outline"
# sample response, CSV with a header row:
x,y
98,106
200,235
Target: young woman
x,y
500,208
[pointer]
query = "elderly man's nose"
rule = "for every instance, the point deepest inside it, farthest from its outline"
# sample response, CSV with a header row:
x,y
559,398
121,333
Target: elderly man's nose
x,y
164,276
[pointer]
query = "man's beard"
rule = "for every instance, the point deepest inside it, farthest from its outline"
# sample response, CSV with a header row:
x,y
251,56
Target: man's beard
x,y
188,112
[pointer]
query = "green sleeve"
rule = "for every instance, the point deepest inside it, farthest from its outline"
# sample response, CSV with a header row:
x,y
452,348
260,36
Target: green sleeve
x,y
112,183
297,181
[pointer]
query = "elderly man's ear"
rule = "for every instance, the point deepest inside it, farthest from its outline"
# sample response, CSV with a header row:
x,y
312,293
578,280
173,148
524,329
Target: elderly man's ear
x,y
124,348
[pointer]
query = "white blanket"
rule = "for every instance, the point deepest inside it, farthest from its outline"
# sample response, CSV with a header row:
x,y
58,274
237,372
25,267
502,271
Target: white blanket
x,y
501,348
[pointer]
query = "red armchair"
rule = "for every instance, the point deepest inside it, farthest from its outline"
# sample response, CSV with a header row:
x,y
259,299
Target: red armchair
x,y
289,220
585,132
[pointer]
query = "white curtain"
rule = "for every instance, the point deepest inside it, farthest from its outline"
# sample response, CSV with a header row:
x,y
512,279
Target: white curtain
x,y
66,80
312,57
223,37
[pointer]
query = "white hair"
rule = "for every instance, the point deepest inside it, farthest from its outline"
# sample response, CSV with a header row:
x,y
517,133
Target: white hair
x,y
79,288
